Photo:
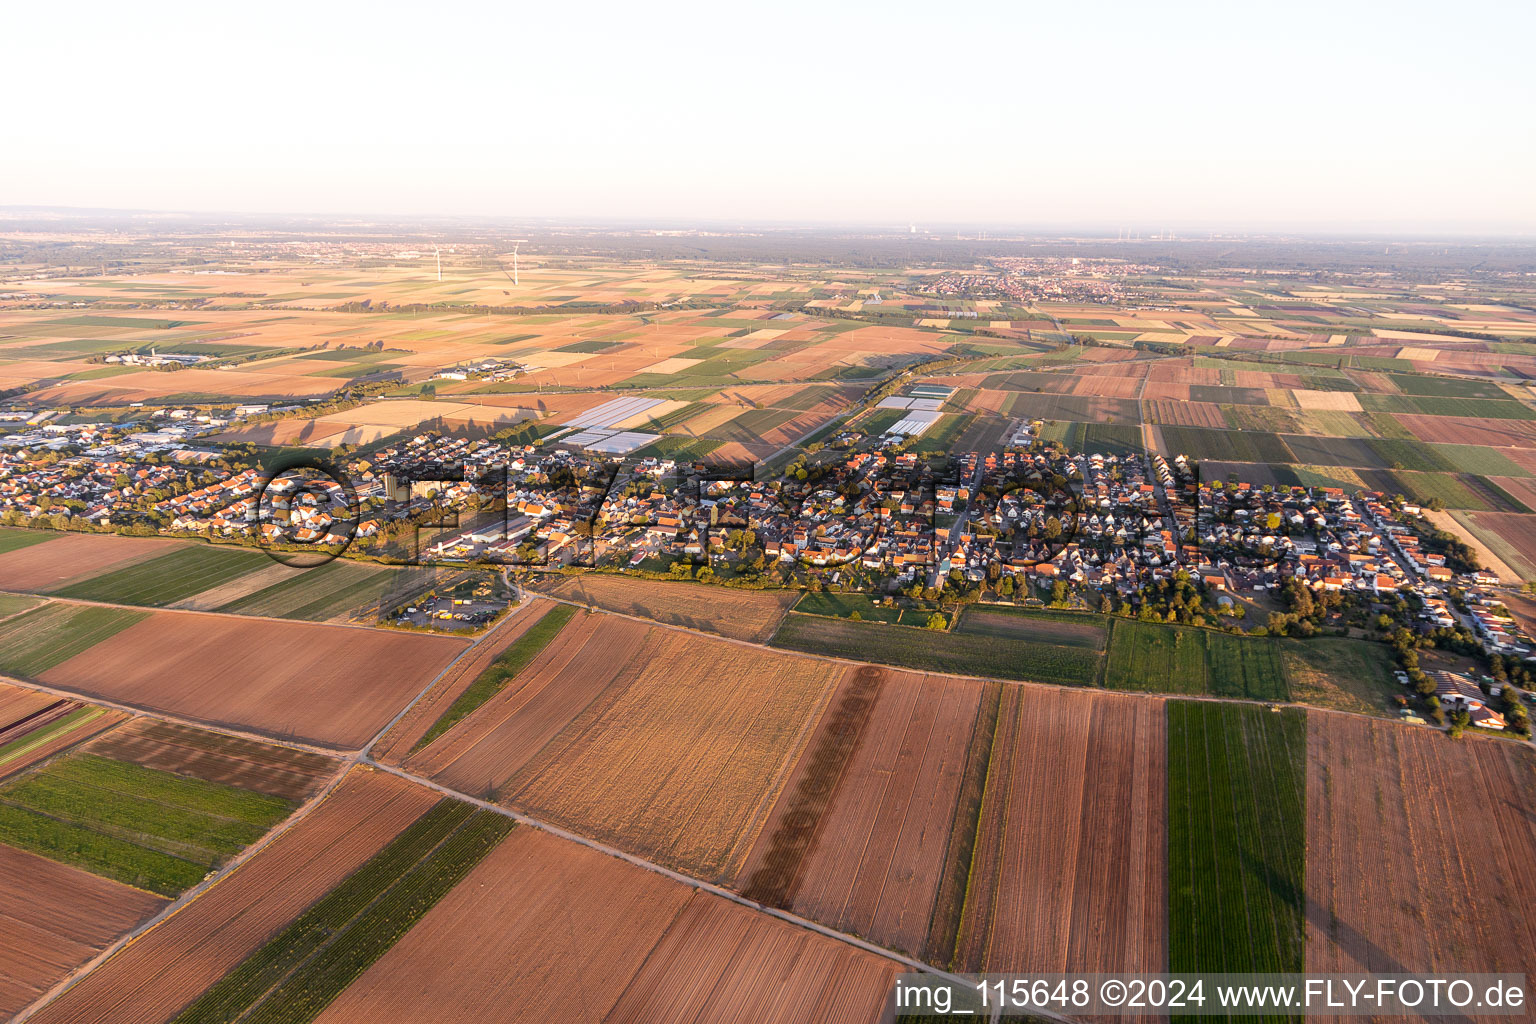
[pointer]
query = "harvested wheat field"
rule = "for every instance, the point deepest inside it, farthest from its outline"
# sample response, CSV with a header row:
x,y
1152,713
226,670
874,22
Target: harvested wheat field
x,y
719,958
541,929
56,918
1413,844
680,759
395,744
332,685
70,557
740,614
259,767
1070,860
858,838
149,981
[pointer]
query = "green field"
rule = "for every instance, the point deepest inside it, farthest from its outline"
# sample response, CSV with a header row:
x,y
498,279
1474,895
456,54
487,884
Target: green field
x,y
940,437
841,606
48,733
1346,675
317,594
305,966
34,642
169,578
1482,408
1236,837
1160,658
1071,629
937,651
12,539
10,604
1202,443
1425,487
144,827
501,671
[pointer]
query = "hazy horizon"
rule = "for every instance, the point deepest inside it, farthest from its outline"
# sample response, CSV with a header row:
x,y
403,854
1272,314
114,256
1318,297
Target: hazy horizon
x,y
1313,120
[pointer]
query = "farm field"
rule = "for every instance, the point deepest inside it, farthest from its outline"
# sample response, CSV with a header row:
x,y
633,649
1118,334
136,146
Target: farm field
x,y
34,642
859,834
140,826
69,557
43,726
332,685
741,614
282,772
12,604
718,957
406,733
324,593
57,917
169,578
151,980
1068,868
523,938
937,651
1384,846
590,735
1237,837
679,758
1162,658
1510,538
1064,628
300,970
496,675
842,606
1342,674
12,539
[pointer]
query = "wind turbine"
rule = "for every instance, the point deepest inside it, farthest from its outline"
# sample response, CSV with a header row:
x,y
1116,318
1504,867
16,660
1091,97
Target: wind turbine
x,y
438,253
515,244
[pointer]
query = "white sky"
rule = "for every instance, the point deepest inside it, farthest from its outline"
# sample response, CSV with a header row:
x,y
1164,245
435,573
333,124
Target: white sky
x,y
1300,115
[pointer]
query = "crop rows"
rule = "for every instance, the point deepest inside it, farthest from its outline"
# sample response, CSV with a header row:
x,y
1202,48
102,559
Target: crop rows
x,y
140,826
1159,658
34,642
1236,837
501,671
316,594
936,651
305,966
169,578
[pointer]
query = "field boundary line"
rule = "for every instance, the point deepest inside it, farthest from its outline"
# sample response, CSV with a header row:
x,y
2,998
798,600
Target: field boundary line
x,y
222,615
1144,694
910,963
341,754
187,898
366,749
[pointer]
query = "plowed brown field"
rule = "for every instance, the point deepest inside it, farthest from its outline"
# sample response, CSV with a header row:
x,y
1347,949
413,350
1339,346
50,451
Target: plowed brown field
x,y
328,684
1414,843
857,839
1070,862
1470,430
399,740
150,980
541,929
73,556
55,918
720,960
742,614
280,771
481,752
